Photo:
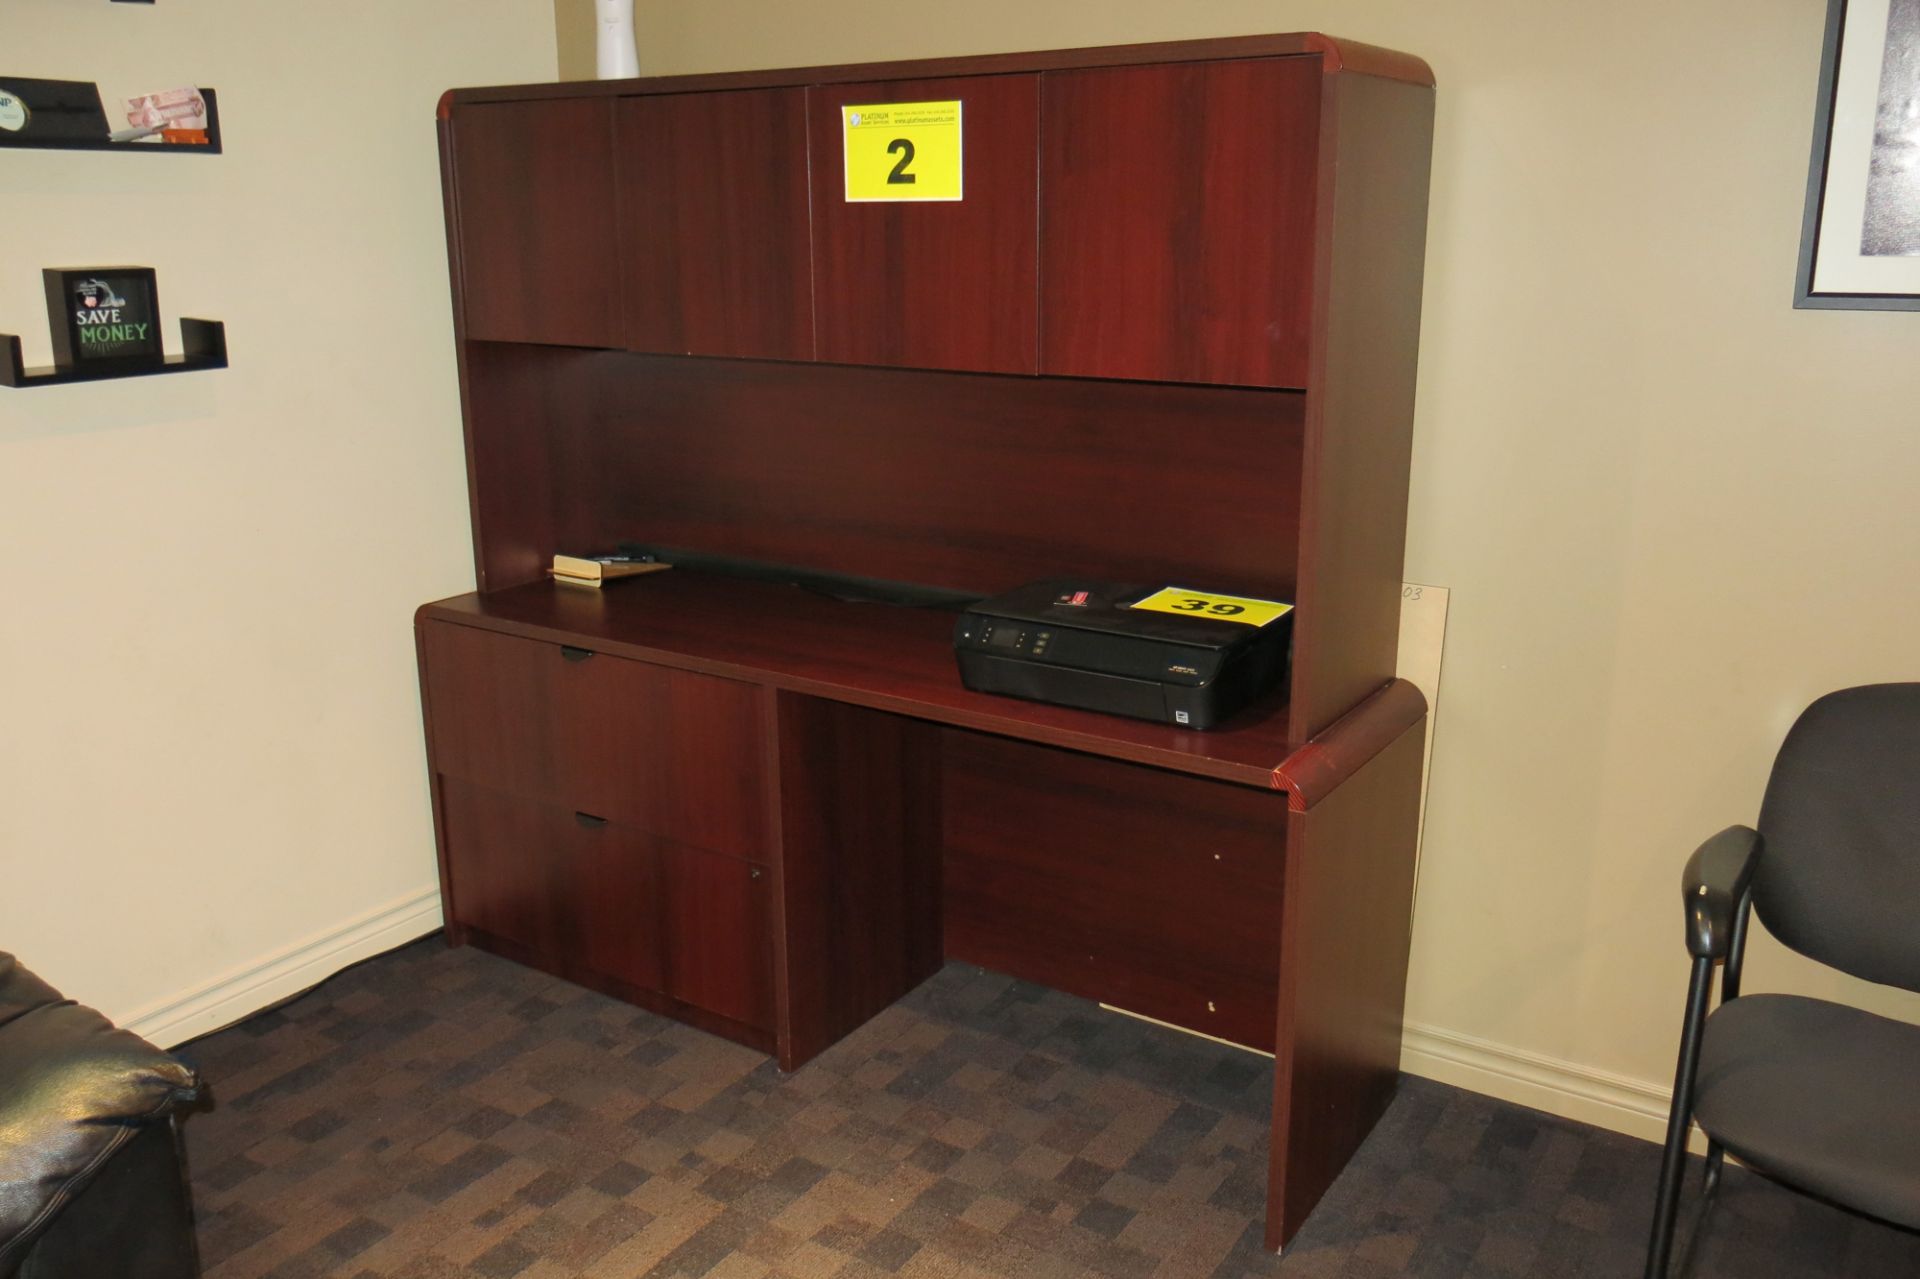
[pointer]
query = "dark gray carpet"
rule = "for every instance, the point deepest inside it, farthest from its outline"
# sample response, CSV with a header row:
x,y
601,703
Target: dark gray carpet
x,y
439,1113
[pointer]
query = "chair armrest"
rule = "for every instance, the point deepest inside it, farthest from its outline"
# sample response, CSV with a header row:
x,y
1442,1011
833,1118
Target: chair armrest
x,y
1713,885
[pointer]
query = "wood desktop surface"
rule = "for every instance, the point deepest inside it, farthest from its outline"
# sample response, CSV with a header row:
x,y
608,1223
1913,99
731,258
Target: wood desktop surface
x,y
881,656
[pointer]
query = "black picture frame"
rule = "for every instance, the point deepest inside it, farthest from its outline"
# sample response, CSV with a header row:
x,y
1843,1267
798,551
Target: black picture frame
x,y
104,317
1860,47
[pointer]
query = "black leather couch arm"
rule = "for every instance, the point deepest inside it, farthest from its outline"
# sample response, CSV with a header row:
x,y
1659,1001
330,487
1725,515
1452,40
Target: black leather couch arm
x,y
73,1091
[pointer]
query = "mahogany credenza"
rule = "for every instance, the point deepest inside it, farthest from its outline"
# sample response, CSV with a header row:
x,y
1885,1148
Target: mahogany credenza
x,y
1167,333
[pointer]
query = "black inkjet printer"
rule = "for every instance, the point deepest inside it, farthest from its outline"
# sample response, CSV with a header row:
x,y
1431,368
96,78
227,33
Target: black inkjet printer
x,y
1170,654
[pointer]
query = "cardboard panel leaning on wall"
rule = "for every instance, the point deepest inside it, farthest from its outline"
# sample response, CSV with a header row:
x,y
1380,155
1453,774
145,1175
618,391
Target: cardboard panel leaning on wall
x,y
212,791
574,23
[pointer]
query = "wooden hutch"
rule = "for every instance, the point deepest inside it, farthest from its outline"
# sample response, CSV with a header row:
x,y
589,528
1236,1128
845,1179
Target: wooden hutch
x,y
1168,334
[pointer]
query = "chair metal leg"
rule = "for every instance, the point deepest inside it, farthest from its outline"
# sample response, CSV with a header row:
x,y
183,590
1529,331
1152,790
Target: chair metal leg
x,y
1674,1161
1716,1156
1729,989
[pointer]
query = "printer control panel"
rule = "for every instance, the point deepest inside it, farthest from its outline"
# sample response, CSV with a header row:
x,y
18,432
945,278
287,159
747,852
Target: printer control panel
x,y
1003,636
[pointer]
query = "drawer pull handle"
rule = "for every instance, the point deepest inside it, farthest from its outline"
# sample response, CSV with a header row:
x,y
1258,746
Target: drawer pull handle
x,y
573,654
755,873
589,821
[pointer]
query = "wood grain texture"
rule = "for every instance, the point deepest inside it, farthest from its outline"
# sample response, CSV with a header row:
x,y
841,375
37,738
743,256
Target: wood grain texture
x,y
898,660
931,284
1370,261
578,796
536,176
1310,774
1355,58
1345,933
859,799
527,446
1153,892
450,206
1336,55
717,934
652,1000
449,906
847,470
828,746
1177,221
532,873
677,754
714,238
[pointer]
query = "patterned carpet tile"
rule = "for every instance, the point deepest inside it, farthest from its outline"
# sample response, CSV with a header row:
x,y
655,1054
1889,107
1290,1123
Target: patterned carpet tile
x,y
441,1113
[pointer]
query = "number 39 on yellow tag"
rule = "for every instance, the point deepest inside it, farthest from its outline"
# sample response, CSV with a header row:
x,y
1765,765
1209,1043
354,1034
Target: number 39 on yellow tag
x,y
1224,608
902,151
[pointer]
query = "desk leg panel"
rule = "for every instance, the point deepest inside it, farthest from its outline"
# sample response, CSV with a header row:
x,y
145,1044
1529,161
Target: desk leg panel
x,y
1343,976
456,935
857,798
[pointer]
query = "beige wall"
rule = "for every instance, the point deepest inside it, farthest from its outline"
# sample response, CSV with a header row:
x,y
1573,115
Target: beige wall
x,y
212,788
1672,509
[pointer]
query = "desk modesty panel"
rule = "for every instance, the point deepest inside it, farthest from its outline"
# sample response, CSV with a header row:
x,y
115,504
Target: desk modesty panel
x,y
1157,323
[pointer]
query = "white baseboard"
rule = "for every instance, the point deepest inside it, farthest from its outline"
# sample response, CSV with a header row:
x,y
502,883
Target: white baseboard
x,y
1621,1103
274,977
1617,1102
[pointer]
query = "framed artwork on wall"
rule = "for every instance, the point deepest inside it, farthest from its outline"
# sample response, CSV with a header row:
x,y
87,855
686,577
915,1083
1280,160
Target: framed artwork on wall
x,y
1860,234
104,317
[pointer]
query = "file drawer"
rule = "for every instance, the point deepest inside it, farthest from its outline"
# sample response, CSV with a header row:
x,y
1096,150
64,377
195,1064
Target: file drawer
x,y
673,753
573,887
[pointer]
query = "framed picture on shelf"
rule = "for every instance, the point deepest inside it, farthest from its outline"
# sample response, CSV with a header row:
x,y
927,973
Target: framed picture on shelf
x,y
1860,234
49,112
104,317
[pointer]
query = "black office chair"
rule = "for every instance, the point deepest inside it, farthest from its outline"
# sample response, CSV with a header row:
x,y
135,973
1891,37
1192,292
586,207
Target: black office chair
x,y
1818,1095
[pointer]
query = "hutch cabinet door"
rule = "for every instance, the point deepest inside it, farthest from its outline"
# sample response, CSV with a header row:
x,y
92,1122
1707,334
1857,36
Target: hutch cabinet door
x,y
713,235
718,929
938,284
1177,221
532,204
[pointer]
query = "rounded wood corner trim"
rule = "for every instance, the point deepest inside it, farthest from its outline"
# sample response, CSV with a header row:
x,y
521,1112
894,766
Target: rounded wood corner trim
x,y
444,111
1368,59
1345,746
1280,780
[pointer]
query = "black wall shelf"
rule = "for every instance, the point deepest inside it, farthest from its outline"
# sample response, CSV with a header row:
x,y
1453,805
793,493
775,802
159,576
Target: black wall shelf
x,y
205,343
210,147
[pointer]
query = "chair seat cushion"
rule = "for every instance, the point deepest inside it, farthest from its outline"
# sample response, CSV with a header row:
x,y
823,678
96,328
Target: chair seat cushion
x,y
1819,1095
73,1090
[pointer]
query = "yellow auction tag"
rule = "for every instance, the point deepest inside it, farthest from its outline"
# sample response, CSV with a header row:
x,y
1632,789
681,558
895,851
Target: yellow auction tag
x,y
902,151
1225,608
